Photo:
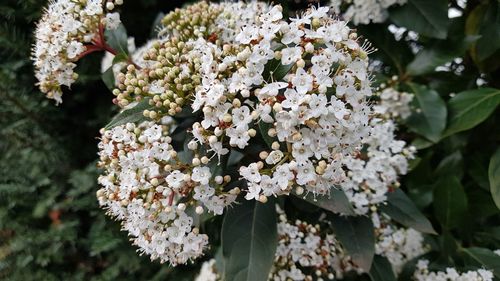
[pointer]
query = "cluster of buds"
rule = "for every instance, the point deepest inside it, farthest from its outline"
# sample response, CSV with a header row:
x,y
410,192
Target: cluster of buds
x,y
67,31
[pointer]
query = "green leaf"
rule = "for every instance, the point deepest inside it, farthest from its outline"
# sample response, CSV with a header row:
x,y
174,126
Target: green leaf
x,y
450,202
117,39
356,234
120,57
264,128
381,270
131,115
494,176
275,71
108,77
485,258
384,40
234,157
484,20
430,118
426,17
438,54
249,240
468,109
401,209
337,202
452,164
156,26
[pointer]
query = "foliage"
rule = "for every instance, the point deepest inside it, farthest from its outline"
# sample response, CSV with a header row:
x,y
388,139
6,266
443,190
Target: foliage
x,y
52,229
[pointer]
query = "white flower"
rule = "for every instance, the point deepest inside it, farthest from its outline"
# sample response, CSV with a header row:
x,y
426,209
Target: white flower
x,y
253,192
201,175
291,55
302,81
251,173
241,117
112,20
274,157
238,137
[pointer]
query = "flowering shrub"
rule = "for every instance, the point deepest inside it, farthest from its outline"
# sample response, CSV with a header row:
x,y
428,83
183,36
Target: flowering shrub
x,y
273,145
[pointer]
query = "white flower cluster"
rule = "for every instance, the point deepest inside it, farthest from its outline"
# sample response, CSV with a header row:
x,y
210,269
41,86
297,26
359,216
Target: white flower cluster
x,y
299,87
399,245
393,104
364,11
305,252
309,252
451,274
313,114
374,171
62,36
144,184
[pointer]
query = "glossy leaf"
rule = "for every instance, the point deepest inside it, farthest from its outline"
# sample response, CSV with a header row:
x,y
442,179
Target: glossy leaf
x,y
249,240
275,71
264,128
108,77
486,258
337,202
430,119
385,43
131,115
381,270
234,157
468,109
117,39
401,209
356,235
438,54
450,202
426,17
494,177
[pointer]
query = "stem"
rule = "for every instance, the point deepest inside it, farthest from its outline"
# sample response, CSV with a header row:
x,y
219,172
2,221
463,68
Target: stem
x,y
99,44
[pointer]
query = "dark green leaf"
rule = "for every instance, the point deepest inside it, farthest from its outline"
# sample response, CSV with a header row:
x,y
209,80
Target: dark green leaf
x,y
234,157
426,17
485,258
450,202
108,77
430,119
275,71
356,234
494,176
468,109
132,115
117,39
264,128
120,57
156,26
381,270
484,20
337,202
451,165
401,209
249,240
440,53
477,168
380,36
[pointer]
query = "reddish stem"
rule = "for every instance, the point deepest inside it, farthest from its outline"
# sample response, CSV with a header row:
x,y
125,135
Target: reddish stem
x,y
171,198
99,44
